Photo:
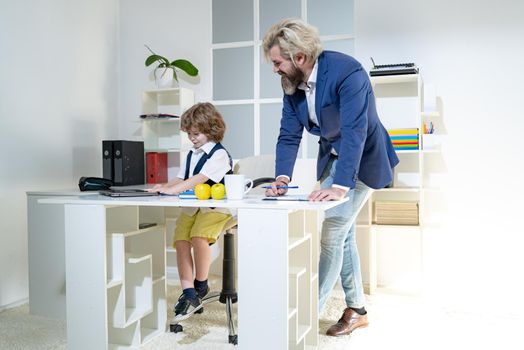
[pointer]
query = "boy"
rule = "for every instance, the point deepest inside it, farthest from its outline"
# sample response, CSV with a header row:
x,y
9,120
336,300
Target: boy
x,y
207,162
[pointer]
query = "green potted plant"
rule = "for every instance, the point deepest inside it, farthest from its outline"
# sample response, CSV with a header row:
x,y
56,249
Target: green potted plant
x,y
165,71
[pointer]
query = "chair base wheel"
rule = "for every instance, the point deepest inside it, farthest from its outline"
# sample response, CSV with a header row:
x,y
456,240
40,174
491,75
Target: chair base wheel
x,y
233,339
176,328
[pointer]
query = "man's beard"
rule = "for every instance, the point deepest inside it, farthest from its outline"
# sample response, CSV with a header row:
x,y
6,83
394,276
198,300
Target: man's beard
x,y
291,81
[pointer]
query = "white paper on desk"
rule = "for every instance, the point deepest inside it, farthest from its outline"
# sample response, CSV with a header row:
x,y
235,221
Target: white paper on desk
x,y
288,197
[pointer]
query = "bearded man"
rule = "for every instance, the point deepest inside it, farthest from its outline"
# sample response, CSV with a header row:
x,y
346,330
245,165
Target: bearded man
x,y
329,94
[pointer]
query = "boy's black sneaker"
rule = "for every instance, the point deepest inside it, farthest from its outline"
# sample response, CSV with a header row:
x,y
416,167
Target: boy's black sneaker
x,y
202,293
187,306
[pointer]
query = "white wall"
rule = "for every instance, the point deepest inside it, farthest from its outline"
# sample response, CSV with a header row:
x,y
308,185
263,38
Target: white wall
x,y
472,52
172,28
58,100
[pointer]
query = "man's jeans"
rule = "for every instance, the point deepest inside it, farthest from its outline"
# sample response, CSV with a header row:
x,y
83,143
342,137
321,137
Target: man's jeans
x,y
338,245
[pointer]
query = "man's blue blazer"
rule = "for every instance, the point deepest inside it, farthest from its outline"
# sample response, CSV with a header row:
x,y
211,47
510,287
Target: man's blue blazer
x,y
349,123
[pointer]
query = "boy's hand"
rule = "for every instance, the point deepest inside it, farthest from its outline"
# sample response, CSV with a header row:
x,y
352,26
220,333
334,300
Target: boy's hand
x,y
160,189
156,188
274,191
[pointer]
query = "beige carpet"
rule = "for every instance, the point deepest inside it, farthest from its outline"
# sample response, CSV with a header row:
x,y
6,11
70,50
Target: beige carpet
x,y
396,322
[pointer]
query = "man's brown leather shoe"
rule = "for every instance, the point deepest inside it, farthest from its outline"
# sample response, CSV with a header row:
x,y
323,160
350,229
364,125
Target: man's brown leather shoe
x,y
349,321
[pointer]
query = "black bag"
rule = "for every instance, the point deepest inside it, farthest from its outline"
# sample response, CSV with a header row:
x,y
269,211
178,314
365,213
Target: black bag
x,y
94,184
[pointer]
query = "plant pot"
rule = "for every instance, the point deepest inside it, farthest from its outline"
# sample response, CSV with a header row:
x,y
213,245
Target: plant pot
x,y
164,77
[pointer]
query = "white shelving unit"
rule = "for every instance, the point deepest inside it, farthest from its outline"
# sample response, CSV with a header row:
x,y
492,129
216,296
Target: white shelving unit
x,y
135,274
164,134
399,105
303,241
299,231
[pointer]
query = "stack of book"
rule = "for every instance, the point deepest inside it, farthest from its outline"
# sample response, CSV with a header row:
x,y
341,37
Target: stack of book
x,y
395,213
404,139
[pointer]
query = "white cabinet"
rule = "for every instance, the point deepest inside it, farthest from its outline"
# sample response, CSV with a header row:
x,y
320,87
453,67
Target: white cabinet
x,y
303,243
399,105
393,254
46,254
164,134
135,275
298,232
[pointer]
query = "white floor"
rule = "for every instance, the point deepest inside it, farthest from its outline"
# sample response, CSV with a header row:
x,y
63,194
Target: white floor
x,y
396,322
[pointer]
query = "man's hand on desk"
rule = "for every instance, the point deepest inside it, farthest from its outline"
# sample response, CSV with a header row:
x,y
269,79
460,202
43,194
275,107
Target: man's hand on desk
x,y
328,194
274,191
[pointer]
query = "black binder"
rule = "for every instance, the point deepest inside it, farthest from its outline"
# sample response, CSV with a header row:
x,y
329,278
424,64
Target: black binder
x,y
123,162
107,160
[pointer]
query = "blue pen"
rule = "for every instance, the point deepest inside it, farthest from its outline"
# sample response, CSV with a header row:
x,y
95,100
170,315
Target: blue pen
x,y
281,186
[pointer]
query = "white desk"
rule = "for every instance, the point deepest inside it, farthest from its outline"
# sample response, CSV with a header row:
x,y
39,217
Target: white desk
x,y
277,270
46,253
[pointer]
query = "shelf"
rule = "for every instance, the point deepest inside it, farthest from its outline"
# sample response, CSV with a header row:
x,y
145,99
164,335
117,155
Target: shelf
x,y
161,120
157,279
135,259
163,150
407,151
400,101
112,346
295,241
150,333
145,230
164,134
432,114
394,79
165,90
302,331
399,189
114,283
291,312
295,272
128,231
431,151
396,226
135,313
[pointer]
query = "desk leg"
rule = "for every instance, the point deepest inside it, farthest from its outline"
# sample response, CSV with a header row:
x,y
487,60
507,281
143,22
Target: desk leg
x,y
262,279
85,245
46,248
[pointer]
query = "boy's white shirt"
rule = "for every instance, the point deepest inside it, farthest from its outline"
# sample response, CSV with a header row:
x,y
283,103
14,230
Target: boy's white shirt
x,y
215,168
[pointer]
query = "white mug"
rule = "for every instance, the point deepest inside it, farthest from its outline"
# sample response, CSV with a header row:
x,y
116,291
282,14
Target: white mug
x,y
237,186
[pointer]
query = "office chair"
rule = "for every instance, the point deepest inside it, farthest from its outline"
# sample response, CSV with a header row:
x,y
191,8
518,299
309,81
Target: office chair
x,y
252,167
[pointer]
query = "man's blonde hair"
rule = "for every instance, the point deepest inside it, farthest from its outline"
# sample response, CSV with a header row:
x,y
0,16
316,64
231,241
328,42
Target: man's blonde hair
x,y
293,35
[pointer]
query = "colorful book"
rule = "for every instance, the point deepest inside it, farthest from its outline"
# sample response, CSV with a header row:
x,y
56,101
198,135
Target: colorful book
x,y
189,194
408,137
405,148
404,142
403,131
